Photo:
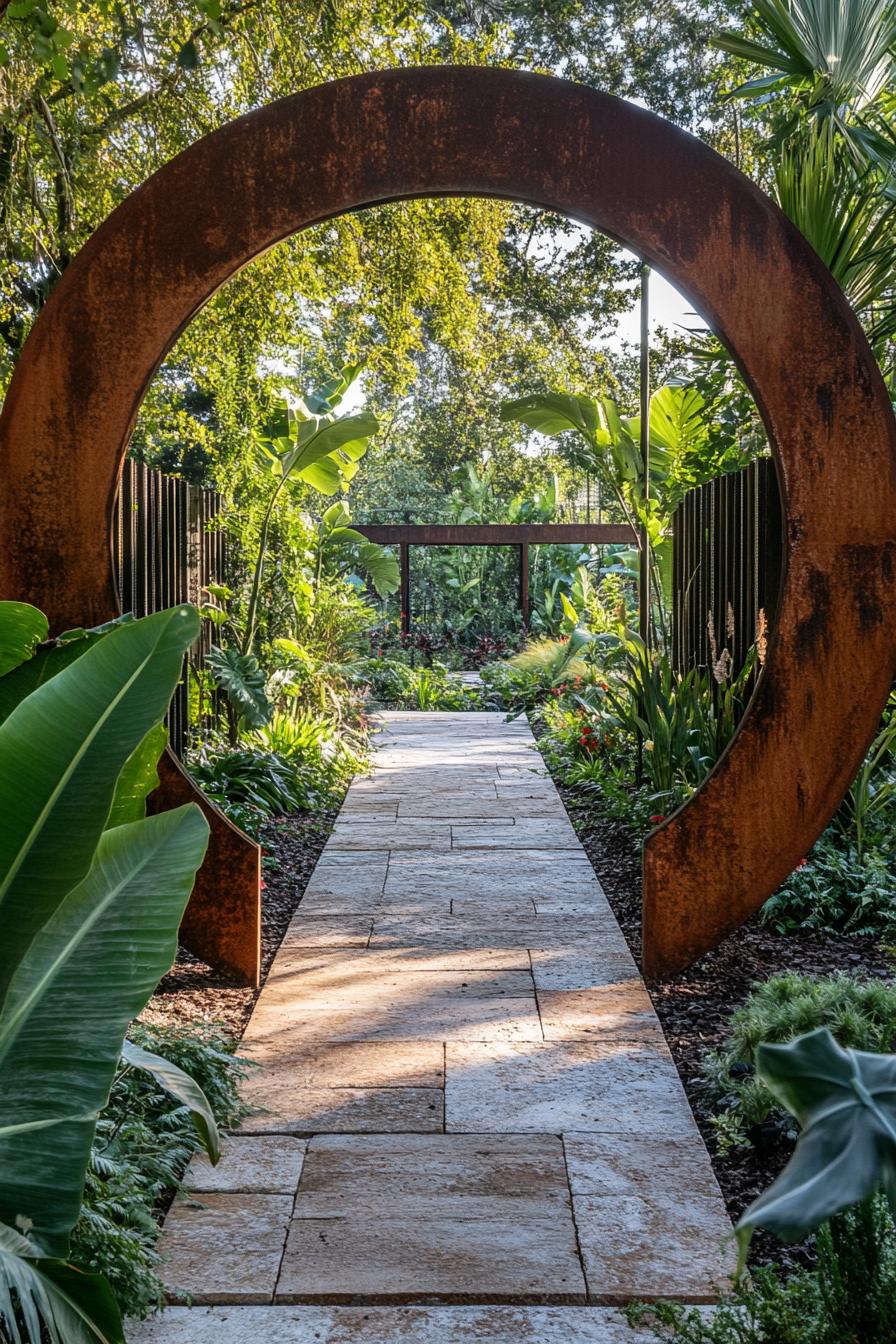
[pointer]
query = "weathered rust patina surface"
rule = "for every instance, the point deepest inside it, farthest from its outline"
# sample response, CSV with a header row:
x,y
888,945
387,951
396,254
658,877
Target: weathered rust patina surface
x,y
618,168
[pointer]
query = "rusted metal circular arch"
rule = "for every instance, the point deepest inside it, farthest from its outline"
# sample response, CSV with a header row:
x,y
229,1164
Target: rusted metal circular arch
x,y
452,131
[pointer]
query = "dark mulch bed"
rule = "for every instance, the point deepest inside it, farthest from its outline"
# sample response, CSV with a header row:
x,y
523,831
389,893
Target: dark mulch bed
x,y
193,992
695,1005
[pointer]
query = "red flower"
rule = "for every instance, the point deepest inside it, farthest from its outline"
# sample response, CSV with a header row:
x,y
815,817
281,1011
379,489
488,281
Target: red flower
x,y
262,884
656,818
802,863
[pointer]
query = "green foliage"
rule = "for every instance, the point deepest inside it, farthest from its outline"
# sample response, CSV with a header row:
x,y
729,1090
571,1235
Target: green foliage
x,y
871,799
241,677
685,719
90,920
343,550
322,754
393,683
143,1143
531,676
606,444
308,442
251,786
824,98
764,1309
843,1101
835,891
861,1015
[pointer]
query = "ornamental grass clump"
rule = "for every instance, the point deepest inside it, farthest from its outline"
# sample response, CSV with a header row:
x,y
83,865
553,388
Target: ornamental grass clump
x,y
860,1014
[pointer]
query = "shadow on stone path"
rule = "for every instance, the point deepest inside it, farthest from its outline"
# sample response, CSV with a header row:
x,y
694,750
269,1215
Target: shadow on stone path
x,y
467,1124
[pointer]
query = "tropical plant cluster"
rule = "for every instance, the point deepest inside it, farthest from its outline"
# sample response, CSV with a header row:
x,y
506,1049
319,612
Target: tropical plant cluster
x,y
143,1143
92,891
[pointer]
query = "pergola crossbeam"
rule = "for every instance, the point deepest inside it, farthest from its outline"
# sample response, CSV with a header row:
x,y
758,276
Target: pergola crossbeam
x,y
521,535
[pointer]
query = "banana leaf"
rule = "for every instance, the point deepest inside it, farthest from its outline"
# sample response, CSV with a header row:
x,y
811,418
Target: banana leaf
x,y
62,750
86,973
21,628
53,1301
184,1088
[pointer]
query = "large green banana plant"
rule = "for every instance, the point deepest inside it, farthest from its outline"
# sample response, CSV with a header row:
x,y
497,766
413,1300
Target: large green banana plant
x,y
606,445
341,548
91,895
308,442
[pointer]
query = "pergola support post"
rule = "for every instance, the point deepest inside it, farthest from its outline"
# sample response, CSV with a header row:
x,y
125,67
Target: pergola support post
x,y
404,565
524,583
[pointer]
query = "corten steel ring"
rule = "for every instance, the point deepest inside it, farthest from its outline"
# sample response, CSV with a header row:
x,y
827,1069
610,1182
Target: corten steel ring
x,y
485,132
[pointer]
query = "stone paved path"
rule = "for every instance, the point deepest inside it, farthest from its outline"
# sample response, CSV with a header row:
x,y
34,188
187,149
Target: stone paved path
x,y
463,1094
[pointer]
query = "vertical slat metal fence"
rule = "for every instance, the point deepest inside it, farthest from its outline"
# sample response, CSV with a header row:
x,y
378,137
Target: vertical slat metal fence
x,y
727,555
166,550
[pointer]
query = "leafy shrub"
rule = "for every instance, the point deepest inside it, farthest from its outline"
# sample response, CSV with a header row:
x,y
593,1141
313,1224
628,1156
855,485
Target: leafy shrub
x,y
541,668
392,682
836,891
323,755
251,786
143,1143
389,680
859,1014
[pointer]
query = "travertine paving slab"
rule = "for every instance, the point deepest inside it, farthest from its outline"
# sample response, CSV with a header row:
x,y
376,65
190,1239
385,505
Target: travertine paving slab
x,y
384,1259
369,835
552,1088
352,1063
672,1247
226,1249
573,968
387,1325
617,1010
268,1166
638,1164
525,834
455,1216
469,1019
419,1176
289,1108
463,1094
329,931
481,807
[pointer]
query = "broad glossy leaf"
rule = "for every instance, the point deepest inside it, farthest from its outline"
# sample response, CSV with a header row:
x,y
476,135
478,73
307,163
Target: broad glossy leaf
x,y
89,971
845,1103
184,1088
677,420
380,566
325,476
242,680
61,752
138,778
72,1307
329,438
328,397
21,628
553,412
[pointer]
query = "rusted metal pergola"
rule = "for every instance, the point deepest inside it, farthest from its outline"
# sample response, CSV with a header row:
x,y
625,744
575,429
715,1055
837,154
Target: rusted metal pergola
x,y
491,132
520,535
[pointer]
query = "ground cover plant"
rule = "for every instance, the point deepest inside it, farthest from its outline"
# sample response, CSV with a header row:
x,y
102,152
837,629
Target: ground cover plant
x,y
144,1140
